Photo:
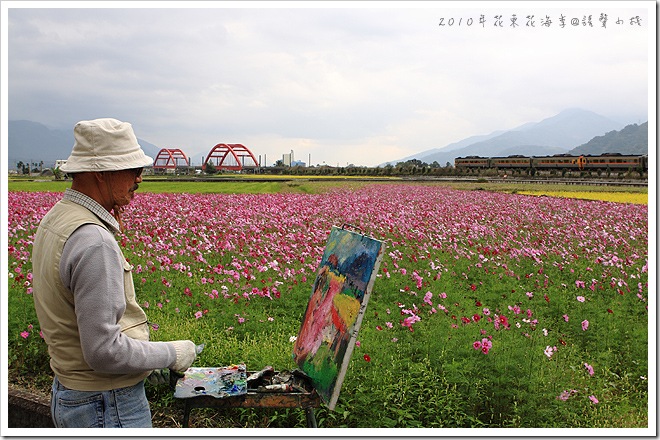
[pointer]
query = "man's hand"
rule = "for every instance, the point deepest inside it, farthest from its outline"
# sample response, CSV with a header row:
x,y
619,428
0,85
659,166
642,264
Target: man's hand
x,y
159,377
186,352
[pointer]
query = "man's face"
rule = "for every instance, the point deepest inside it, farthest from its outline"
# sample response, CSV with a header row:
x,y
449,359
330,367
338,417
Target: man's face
x,y
124,184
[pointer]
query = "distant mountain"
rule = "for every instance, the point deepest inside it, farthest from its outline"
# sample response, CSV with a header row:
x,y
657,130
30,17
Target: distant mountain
x,y
554,135
31,142
632,139
453,146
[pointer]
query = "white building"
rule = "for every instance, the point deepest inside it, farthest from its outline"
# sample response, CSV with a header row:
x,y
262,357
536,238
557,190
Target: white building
x,y
287,159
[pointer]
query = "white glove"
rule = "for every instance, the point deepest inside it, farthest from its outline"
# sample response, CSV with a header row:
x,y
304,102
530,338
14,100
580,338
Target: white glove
x,y
185,355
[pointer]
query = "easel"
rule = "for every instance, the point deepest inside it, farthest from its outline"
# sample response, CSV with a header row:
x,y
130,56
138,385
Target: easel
x,y
352,270
254,399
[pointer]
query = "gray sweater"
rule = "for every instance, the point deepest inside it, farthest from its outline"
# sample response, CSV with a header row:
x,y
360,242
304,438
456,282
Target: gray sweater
x,y
91,267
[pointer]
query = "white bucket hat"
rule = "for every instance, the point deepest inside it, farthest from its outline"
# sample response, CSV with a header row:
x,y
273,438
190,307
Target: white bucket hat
x,y
105,145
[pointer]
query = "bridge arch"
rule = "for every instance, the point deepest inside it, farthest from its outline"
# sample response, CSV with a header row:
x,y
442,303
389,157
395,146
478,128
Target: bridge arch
x,y
234,157
170,159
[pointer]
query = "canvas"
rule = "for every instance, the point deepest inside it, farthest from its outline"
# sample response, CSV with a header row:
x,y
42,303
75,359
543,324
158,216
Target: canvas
x,y
334,313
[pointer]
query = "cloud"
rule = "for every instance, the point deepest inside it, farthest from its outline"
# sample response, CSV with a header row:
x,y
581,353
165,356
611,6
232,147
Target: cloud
x,y
358,84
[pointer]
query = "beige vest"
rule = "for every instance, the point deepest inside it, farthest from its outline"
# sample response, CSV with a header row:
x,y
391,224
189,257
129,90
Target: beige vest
x,y
54,303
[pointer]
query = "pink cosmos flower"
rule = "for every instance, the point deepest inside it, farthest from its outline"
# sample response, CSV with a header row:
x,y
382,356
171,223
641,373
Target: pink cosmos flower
x,y
476,345
198,314
25,334
564,395
585,325
593,399
580,298
589,368
549,351
566,318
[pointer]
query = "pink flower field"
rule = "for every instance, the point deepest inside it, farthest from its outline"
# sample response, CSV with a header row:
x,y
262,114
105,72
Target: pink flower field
x,y
535,289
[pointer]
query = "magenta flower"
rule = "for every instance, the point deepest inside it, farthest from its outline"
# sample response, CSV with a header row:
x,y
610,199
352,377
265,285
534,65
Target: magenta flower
x,y
589,368
476,345
585,325
25,334
564,395
593,399
198,314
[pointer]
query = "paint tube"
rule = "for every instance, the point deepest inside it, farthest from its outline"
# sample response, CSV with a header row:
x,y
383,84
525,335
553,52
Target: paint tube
x,y
276,388
259,374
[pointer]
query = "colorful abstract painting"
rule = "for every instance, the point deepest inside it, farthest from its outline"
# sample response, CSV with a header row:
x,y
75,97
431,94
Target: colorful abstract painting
x,y
344,281
218,382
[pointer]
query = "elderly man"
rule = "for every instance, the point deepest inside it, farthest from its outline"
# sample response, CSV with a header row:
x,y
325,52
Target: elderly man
x,y
97,334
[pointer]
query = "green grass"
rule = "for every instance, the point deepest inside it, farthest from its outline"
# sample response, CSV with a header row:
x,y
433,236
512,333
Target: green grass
x,y
431,377
318,185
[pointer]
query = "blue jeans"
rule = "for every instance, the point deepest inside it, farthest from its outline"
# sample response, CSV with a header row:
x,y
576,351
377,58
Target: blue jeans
x,y
120,408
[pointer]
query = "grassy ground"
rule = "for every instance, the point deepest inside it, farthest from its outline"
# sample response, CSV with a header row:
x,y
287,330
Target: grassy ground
x,y
431,377
297,184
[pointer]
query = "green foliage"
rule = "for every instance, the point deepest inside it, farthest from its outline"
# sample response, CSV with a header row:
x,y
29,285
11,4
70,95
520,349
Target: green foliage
x,y
430,377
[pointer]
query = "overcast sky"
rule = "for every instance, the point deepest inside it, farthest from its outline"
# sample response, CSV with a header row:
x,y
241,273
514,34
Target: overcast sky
x,y
342,82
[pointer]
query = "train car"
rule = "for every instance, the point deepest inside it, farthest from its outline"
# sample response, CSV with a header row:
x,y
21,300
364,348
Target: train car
x,y
564,161
511,162
616,162
557,161
472,162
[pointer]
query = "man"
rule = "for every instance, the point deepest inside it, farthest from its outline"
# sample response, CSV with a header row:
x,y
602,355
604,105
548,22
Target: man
x,y
97,334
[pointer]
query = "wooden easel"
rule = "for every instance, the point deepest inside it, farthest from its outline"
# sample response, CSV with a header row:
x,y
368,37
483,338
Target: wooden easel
x,y
254,399
306,396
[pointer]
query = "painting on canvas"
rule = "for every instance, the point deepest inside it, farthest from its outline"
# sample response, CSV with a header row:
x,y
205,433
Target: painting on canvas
x,y
344,281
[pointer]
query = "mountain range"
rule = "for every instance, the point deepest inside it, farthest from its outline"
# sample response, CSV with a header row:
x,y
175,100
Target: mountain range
x,y
31,142
572,130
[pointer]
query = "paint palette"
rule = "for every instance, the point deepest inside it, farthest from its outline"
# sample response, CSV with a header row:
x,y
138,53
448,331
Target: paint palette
x,y
218,382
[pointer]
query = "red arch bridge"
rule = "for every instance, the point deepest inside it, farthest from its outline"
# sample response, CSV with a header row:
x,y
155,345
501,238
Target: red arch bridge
x,y
170,159
233,157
